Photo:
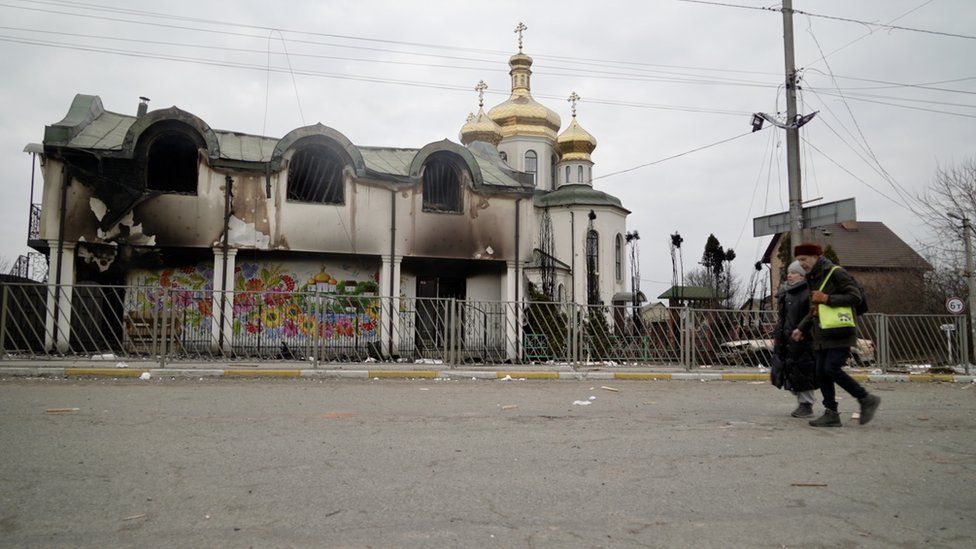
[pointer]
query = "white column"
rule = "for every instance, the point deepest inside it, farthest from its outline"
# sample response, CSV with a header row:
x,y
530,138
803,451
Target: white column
x,y
512,310
389,312
58,338
223,297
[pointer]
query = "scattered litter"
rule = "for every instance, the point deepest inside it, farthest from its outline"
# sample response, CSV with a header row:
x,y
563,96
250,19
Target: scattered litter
x,y
369,359
808,484
876,371
611,389
581,403
206,517
757,383
855,415
134,517
145,376
376,379
592,397
61,410
121,365
510,407
704,366
763,369
428,361
506,378
923,419
424,389
474,379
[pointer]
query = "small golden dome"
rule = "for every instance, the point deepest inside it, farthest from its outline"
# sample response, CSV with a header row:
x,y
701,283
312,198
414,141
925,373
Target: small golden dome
x,y
576,143
520,114
480,128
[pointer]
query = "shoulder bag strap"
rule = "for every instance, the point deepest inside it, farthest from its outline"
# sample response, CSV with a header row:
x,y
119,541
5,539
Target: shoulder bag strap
x,y
826,278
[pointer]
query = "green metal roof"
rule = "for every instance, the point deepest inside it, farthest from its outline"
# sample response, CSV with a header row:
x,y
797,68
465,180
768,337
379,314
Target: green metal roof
x,y
578,195
89,126
690,293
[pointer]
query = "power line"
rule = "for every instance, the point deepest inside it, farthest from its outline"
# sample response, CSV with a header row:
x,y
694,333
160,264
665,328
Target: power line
x,y
675,155
835,18
352,77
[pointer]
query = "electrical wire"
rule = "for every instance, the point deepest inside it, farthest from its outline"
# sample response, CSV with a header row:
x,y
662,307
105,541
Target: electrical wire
x,y
658,161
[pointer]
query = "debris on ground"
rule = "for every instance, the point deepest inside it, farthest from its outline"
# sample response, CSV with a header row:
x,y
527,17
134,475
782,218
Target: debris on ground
x,y
428,361
121,365
592,397
134,517
145,376
510,407
611,389
581,403
506,378
855,415
923,419
369,360
61,410
808,484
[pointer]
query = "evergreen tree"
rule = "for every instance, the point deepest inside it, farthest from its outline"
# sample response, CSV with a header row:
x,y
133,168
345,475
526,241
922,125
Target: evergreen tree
x,y
831,254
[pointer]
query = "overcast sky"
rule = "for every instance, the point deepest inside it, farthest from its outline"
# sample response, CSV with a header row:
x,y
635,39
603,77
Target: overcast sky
x,y
657,78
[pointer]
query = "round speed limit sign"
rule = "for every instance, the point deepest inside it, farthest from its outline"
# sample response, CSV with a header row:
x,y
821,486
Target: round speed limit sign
x,y
955,305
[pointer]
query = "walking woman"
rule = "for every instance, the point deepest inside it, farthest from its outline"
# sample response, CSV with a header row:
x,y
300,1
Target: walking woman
x,y
796,357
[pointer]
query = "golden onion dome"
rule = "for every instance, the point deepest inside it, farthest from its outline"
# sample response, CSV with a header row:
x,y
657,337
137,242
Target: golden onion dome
x,y
576,143
520,114
480,128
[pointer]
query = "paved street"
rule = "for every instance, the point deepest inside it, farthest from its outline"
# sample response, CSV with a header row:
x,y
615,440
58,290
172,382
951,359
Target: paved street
x,y
330,463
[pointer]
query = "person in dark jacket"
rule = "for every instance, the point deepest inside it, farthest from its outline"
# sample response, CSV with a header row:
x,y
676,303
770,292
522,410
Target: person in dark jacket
x,y
799,365
832,347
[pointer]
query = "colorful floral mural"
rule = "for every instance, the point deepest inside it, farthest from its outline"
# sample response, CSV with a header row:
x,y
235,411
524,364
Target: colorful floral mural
x,y
294,303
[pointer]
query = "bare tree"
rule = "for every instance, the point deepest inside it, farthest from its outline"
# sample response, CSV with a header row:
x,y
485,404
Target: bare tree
x,y
954,190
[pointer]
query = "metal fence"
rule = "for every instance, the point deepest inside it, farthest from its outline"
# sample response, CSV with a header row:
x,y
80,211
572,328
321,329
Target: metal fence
x,y
162,325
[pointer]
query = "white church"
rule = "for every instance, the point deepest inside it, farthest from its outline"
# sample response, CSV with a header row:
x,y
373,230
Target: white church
x,y
160,200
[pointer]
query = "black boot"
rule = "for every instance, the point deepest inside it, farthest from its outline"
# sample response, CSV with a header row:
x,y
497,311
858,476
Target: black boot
x,y
869,405
830,418
803,410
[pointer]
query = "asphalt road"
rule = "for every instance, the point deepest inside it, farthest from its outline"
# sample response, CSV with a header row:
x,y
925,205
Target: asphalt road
x,y
314,463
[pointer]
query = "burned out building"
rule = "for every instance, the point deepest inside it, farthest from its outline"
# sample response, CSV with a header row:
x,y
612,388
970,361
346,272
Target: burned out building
x,y
159,199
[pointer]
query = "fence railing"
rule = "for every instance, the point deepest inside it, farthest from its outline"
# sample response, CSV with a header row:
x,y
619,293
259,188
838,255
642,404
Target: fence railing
x,y
166,325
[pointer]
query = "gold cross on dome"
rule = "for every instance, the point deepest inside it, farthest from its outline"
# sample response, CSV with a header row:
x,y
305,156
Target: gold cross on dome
x,y
573,98
480,88
518,30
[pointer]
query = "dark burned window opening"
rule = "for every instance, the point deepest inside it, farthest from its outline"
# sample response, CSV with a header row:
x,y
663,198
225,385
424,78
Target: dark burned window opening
x,y
171,159
315,175
442,186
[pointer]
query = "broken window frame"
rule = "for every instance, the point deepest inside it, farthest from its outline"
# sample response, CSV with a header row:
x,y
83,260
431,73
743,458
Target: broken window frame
x,y
180,168
321,173
442,185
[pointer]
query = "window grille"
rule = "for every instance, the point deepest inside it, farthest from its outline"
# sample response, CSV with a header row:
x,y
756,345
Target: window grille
x,y
315,175
442,186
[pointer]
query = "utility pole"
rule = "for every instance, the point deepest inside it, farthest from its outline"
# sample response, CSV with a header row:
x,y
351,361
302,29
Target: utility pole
x,y
970,277
792,130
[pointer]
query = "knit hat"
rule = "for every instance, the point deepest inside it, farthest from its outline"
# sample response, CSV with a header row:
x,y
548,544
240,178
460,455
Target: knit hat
x,y
795,267
808,248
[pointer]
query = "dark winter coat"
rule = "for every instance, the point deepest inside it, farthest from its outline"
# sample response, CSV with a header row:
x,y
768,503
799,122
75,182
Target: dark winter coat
x,y
797,357
842,291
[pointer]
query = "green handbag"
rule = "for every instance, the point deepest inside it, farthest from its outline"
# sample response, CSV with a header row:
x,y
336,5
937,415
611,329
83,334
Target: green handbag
x,y
834,317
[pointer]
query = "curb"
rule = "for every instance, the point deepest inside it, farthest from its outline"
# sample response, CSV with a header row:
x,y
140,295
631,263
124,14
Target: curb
x,y
501,375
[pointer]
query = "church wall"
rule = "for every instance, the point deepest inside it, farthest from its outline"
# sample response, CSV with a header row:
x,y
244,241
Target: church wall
x,y
516,147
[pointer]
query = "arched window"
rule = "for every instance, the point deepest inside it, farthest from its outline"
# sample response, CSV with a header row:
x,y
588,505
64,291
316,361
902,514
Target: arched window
x,y
552,170
579,174
442,184
561,294
618,257
592,267
568,171
171,157
504,155
532,164
589,174
315,175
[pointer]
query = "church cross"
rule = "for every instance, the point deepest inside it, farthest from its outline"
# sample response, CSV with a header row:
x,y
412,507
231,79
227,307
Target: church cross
x,y
518,30
480,88
573,98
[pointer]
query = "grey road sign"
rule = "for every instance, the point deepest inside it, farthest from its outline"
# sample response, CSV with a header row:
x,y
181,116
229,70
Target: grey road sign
x,y
813,216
